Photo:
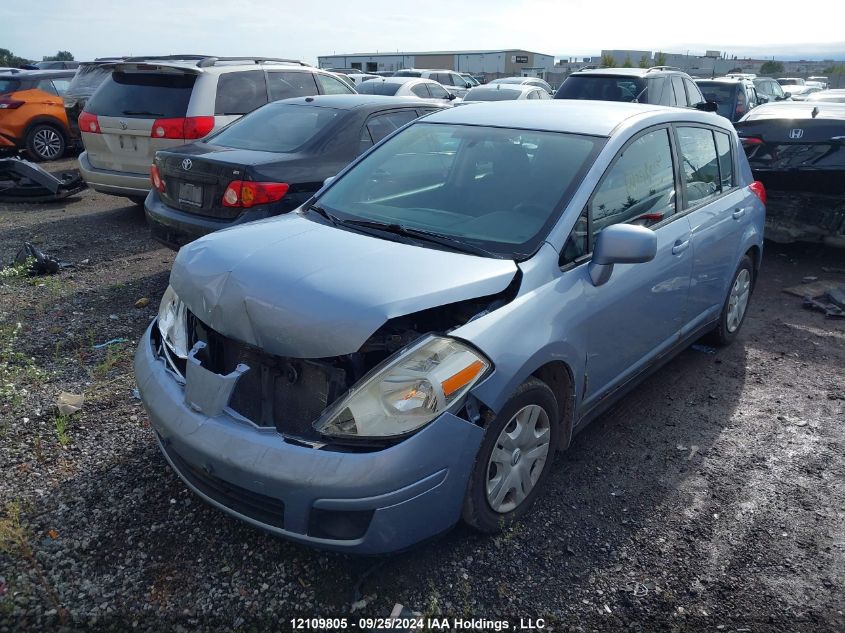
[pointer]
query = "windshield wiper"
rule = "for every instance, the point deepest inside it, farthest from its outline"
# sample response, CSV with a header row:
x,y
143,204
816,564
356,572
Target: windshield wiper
x,y
316,208
141,113
426,236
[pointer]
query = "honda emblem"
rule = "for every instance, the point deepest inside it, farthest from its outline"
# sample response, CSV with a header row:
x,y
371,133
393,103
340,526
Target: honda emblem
x,y
796,133
187,164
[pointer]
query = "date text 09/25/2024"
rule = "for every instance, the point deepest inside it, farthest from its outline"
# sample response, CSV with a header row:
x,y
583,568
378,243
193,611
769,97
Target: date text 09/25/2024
x,y
416,623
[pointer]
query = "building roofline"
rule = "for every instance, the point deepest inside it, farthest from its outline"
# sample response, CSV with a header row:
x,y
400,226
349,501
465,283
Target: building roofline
x,y
408,53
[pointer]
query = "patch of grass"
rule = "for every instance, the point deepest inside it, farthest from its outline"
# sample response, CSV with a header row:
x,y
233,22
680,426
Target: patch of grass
x,y
17,271
62,422
115,355
16,369
13,540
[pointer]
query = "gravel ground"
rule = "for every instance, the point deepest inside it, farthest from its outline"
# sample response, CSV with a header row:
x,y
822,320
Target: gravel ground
x,y
712,498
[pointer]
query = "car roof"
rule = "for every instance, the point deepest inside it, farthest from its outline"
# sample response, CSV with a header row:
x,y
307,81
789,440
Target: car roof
x,y
596,118
401,80
619,72
355,101
797,110
507,86
732,81
212,64
516,80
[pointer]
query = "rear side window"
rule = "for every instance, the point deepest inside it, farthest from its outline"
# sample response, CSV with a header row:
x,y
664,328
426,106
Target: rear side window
x,y
722,94
240,92
726,165
61,85
47,86
639,187
678,87
286,84
143,95
700,164
279,127
331,86
382,125
656,93
421,90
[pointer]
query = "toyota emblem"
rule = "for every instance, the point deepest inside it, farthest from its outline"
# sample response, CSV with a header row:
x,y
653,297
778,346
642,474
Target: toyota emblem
x,y
187,164
796,133
123,125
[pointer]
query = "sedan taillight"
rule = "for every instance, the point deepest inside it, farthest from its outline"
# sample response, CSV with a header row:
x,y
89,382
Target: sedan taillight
x,y
245,193
156,179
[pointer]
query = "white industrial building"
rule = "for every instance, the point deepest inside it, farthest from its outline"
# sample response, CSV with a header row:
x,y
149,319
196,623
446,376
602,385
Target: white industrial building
x,y
493,62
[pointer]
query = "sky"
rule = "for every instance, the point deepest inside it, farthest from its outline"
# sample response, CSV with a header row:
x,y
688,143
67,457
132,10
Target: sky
x,y
307,28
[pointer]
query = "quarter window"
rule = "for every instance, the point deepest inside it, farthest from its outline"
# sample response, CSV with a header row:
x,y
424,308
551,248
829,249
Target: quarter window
x,y
726,166
47,86
285,85
678,86
693,93
240,92
421,90
382,125
700,164
332,86
640,186
437,91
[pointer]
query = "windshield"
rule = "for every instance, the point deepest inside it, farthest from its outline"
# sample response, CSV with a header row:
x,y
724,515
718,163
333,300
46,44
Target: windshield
x,y
377,87
603,88
495,188
276,127
722,94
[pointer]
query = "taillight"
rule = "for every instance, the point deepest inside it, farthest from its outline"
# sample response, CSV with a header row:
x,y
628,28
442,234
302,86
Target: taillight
x,y
245,193
10,104
183,128
89,123
758,190
156,179
751,141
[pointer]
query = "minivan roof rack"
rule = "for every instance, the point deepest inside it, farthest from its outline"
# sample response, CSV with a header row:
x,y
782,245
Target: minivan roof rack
x,y
210,61
205,61
663,68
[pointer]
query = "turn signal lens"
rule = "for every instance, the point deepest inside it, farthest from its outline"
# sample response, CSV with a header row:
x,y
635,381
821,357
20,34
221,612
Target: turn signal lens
x,y
759,190
156,179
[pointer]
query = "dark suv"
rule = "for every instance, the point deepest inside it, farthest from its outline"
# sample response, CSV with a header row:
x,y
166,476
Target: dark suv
x,y
733,97
659,85
769,90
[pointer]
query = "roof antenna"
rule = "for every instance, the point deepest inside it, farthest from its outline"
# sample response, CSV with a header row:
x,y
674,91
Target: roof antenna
x,y
815,112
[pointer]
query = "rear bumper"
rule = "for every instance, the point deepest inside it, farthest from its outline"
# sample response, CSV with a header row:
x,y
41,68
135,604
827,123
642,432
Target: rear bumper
x,y
117,183
175,228
399,495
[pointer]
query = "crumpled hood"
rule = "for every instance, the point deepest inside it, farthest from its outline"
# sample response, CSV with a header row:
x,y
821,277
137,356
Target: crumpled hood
x,y
299,288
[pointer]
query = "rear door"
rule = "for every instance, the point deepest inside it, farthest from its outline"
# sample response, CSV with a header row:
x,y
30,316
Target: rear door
x,y
718,211
127,106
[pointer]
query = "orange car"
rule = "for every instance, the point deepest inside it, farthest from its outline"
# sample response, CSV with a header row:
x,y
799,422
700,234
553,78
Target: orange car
x,y
32,113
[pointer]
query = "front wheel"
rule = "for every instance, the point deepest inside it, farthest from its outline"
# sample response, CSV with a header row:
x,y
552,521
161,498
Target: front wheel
x,y
45,142
736,304
514,459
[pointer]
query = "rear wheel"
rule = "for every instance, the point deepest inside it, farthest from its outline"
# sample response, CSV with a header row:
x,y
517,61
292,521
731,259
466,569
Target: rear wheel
x,y
45,142
514,459
736,304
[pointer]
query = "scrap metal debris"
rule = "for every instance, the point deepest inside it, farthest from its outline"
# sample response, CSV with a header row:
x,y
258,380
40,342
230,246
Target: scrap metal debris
x,y
23,181
114,341
39,263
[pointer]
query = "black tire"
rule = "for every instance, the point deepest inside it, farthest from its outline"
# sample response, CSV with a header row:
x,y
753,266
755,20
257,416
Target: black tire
x,y
138,200
725,332
45,142
477,511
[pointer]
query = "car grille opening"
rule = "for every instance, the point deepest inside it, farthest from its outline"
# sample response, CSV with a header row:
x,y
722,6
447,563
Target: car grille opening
x,y
285,393
267,510
344,525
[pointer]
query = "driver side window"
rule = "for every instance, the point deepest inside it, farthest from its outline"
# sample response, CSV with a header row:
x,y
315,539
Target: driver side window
x,y
638,188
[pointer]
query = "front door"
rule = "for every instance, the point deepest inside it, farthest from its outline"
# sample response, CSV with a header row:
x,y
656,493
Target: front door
x,y
639,312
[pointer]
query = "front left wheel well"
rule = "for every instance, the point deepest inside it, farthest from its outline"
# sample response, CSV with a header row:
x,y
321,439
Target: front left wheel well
x,y
558,376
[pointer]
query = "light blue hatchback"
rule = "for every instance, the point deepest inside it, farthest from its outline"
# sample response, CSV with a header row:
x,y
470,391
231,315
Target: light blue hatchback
x,y
416,342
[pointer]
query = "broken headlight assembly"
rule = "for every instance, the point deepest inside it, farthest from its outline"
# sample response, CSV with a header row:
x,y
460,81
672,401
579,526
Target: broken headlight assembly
x,y
407,391
172,323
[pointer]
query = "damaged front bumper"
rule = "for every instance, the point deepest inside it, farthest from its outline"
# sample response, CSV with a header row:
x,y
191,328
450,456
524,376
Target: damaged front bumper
x,y
364,502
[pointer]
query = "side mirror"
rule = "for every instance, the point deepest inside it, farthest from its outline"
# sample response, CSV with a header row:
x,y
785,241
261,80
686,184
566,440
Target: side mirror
x,y
451,97
707,106
761,99
328,180
621,244
787,95
467,84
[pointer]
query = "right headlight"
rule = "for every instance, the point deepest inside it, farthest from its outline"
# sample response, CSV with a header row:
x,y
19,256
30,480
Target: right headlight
x,y
407,391
173,323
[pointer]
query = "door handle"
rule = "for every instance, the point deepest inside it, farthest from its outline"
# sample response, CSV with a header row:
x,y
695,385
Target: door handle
x,y
738,213
680,247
